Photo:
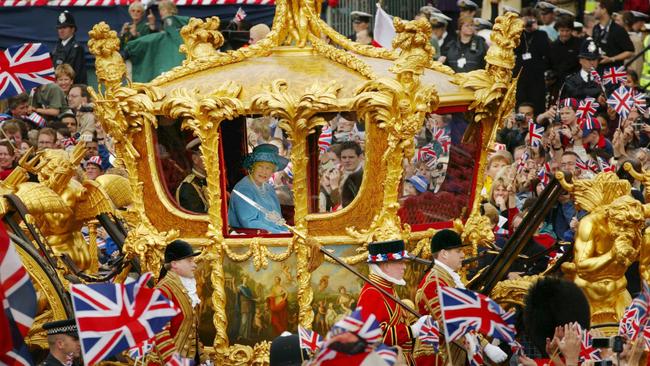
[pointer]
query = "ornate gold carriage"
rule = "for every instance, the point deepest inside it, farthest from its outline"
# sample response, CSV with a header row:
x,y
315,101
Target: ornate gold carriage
x,y
301,75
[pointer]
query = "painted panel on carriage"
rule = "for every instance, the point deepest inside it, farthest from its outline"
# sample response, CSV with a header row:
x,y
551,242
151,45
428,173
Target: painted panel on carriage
x,y
261,305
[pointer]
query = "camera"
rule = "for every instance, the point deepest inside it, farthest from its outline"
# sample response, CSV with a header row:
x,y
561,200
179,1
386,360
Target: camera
x,y
520,117
603,363
86,108
615,343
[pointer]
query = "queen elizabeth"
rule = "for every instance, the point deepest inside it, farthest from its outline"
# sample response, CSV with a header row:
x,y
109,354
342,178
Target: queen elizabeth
x,y
260,164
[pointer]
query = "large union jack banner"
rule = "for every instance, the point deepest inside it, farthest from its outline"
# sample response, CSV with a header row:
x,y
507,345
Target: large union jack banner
x,y
19,304
24,67
464,310
114,317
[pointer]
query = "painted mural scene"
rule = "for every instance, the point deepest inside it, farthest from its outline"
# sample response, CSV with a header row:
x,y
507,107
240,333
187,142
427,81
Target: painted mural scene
x,y
324,182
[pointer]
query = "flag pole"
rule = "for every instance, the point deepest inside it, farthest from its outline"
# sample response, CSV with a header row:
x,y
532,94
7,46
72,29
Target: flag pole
x,y
442,316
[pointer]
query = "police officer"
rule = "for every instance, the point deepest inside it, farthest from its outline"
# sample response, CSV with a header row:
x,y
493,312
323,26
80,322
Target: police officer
x,y
191,192
63,341
68,50
581,84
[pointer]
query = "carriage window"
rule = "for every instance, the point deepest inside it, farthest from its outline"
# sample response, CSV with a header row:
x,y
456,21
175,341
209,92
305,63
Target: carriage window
x,y
262,199
341,146
437,182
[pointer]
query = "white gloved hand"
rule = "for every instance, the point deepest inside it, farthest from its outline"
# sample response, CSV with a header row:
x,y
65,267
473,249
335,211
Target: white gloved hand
x,y
415,327
472,344
494,353
275,218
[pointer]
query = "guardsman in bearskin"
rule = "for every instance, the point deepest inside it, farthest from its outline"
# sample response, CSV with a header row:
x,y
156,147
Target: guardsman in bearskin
x,y
63,341
191,192
178,284
447,251
68,50
386,264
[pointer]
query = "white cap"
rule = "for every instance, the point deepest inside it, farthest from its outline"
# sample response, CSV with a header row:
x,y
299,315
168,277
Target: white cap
x,y
482,23
545,5
510,9
577,25
360,14
560,11
441,17
638,14
467,4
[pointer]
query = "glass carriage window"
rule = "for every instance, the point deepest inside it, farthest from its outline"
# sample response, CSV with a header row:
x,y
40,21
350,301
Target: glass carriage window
x,y
341,146
438,179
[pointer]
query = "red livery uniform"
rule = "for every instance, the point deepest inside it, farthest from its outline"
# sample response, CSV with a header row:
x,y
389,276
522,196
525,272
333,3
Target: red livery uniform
x,y
392,319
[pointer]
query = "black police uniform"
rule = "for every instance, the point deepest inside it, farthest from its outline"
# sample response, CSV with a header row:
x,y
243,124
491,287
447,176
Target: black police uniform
x,y
580,84
67,327
563,57
612,40
50,361
465,57
72,53
532,61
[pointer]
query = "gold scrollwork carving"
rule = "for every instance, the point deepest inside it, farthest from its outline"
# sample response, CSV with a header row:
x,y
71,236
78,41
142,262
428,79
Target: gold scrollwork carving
x,y
123,111
201,39
203,116
398,106
299,115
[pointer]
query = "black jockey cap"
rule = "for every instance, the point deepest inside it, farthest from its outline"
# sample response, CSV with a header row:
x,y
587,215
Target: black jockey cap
x,y
67,327
589,50
446,239
66,20
286,351
179,249
552,302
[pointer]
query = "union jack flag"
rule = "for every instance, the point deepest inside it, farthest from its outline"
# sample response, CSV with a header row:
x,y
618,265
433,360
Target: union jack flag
x,y
18,299
325,140
464,310
387,353
309,339
544,174
587,107
604,166
23,67
521,165
178,360
426,153
366,328
595,76
581,164
240,15
639,101
621,101
114,317
141,349
36,119
430,333
535,134
587,350
440,135
614,75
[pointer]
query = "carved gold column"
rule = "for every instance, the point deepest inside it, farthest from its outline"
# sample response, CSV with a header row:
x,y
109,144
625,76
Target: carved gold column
x,y
123,111
298,115
494,90
399,107
203,115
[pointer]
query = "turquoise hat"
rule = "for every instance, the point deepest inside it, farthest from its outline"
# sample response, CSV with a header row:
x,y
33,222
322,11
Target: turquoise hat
x,y
268,153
